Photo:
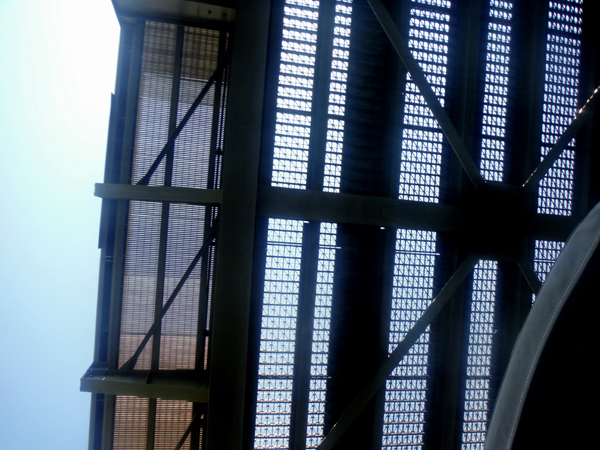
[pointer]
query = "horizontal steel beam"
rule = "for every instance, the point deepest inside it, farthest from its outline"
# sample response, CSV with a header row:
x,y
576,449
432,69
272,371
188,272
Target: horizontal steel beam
x,y
358,209
144,387
158,193
177,10
322,206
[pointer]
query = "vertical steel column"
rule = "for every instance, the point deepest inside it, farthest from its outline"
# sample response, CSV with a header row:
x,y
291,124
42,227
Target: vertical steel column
x,y
231,306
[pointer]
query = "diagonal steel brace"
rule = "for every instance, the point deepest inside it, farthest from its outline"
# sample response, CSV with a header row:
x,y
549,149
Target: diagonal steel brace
x,y
130,364
431,99
396,356
170,145
578,121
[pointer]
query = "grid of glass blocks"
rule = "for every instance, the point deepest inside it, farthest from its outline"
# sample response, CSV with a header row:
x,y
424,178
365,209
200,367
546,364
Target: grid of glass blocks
x,y
294,93
404,413
496,91
337,96
278,334
476,408
320,339
421,153
561,88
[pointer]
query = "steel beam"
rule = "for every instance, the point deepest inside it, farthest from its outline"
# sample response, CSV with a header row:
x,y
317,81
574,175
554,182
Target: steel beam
x,y
321,206
425,90
145,387
578,121
222,12
235,251
158,194
396,356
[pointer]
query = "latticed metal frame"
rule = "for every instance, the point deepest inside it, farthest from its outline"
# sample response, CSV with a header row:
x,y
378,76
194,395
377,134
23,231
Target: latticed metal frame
x,y
420,170
294,169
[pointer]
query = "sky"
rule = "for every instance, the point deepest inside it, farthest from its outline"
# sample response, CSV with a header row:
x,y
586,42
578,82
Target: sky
x,y
57,71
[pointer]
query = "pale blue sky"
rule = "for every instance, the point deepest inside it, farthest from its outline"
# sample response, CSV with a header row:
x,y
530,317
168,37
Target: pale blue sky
x,y
57,70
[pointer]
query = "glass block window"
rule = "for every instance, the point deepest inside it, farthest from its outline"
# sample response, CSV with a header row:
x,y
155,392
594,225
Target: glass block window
x,y
561,88
404,414
294,93
421,150
477,402
278,334
320,340
495,91
337,96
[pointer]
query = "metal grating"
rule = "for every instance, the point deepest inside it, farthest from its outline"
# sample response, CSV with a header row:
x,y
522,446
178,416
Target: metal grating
x,y
421,154
561,88
420,168
139,290
294,94
337,96
192,166
481,330
172,419
131,423
320,340
496,91
278,334
404,414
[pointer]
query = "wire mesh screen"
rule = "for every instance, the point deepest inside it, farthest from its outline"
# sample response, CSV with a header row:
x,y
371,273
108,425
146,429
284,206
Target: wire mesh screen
x,y
187,222
172,419
193,165
141,261
561,88
131,423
